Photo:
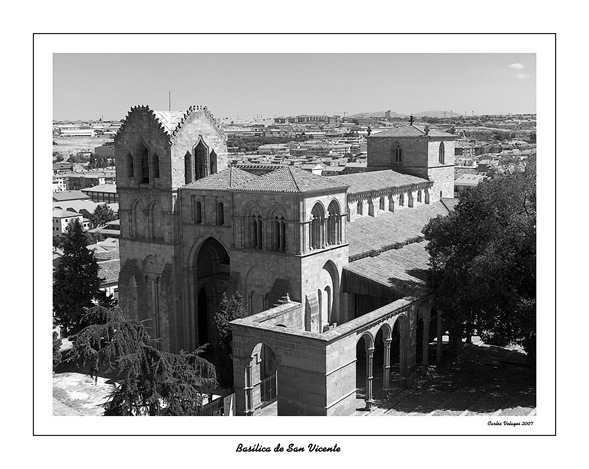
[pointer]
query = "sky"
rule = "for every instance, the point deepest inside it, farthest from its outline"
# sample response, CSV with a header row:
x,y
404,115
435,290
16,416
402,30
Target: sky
x,y
91,86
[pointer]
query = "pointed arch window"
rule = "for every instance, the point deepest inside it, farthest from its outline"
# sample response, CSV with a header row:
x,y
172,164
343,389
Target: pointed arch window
x,y
142,157
442,153
397,153
401,200
201,161
188,168
214,165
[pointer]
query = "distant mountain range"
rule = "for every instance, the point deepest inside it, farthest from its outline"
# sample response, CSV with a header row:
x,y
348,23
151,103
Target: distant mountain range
x,y
417,114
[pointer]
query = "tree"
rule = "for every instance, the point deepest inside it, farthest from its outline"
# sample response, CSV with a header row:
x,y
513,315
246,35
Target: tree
x,y
56,349
483,261
150,381
102,215
76,284
231,309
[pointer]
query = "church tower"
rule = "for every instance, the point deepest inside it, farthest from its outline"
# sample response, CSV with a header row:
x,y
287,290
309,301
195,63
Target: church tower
x,y
157,152
418,151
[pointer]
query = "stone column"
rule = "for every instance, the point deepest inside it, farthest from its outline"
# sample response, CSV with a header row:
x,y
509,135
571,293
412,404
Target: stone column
x,y
386,376
249,390
425,359
439,338
281,230
369,360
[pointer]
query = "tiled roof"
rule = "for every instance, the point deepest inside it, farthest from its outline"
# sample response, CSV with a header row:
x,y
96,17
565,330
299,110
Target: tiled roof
x,y
110,188
168,119
450,203
57,213
109,270
69,195
292,179
367,234
403,271
411,131
223,180
375,180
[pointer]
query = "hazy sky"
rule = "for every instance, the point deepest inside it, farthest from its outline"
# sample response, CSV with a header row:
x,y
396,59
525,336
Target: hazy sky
x,y
88,86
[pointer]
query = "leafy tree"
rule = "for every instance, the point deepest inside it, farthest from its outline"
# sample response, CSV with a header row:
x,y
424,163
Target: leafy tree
x,y
150,381
231,308
483,261
76,284
102,215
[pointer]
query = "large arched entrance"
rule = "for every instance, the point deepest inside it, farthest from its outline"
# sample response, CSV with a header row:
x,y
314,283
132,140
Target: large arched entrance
x,y
212,270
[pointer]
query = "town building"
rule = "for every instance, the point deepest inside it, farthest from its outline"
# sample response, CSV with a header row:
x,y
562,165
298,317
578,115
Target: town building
x,y
332,269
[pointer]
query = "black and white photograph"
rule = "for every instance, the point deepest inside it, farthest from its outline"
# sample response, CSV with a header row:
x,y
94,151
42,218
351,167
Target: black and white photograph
x,y
307,228
267,253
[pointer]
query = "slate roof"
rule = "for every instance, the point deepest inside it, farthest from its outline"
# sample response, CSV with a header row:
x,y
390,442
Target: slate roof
x,y
168,119
367,234
411,131
375,180
223,180
293,180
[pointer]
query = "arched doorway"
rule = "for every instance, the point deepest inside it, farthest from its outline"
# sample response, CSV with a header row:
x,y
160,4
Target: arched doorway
x,y
364,372
261,380
399,352
210,280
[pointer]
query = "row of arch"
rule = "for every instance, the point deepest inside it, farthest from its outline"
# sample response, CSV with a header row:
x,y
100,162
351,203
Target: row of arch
x,y
146,223
403,199
397,153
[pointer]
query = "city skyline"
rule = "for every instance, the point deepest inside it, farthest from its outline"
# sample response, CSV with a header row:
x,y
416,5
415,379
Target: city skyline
x,y
91,86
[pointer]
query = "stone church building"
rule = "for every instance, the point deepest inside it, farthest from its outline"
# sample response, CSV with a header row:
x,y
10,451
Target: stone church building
x,y
331,269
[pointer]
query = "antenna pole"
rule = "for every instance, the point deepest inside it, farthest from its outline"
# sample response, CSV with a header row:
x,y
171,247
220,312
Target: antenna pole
x,y
169,100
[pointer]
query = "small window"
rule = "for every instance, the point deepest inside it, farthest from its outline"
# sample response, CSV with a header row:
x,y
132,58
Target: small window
x,y
381,203
419,196
401,200
156,166
220,214
198,212
359,207
442,153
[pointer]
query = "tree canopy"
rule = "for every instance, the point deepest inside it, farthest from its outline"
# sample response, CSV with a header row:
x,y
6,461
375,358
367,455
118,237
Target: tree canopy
x,y
76,284
102,215
150,381
231,309
483,260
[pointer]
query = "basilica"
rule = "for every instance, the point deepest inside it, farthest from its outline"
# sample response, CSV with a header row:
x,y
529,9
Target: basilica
x,y
332,269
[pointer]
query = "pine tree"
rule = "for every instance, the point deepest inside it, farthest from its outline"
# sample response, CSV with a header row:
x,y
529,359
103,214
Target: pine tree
x,y
150,382
75,283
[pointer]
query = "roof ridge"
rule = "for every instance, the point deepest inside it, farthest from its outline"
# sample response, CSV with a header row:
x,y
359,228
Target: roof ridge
x,y
290,168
